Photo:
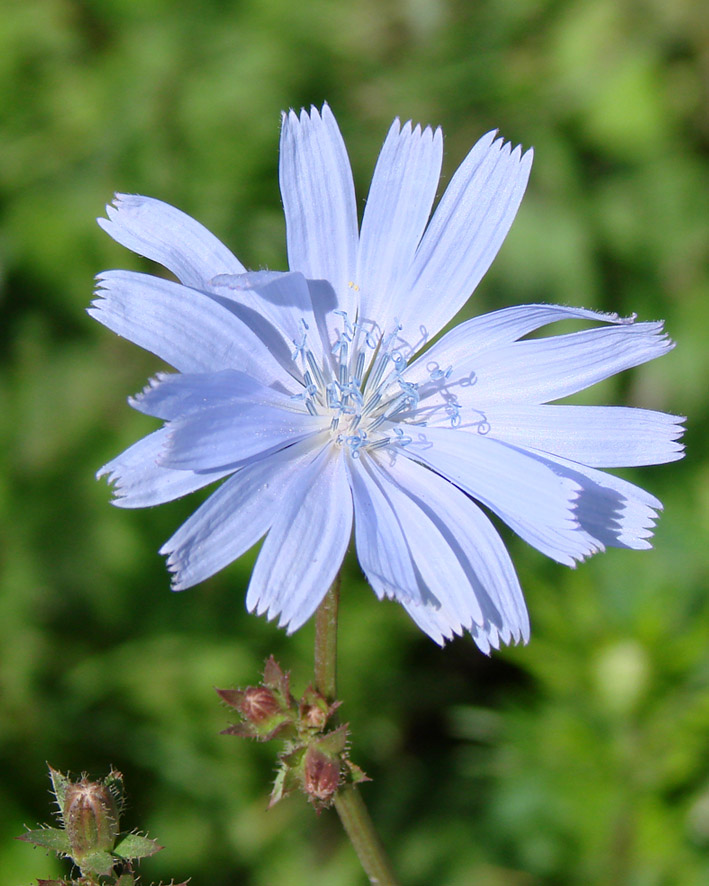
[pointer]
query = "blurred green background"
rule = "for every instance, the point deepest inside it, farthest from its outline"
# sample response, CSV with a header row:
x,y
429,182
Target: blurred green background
x,y
580,759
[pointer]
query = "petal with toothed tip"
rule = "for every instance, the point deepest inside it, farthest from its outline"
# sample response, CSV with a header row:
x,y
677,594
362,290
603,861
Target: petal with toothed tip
x,y
395,215
520,487
170,237
319,201
185,328
464,235
304,548
599,436
140,481
490,596
233,518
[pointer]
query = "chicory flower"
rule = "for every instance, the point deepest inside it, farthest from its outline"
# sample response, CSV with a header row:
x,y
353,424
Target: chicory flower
x,y
317,396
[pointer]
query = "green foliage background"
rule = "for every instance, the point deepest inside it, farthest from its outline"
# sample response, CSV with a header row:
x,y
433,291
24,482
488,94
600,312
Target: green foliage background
x,y
580,759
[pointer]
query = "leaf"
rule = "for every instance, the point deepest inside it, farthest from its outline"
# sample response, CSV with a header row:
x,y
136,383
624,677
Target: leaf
x,y
136,846
53,839
333,742
99,863
356,775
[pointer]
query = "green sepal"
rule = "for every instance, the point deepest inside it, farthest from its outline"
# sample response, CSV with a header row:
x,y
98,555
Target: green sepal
x,y
99,863
126,880
286,782
333,743
53,839
136,846
355,775
60,783
276,679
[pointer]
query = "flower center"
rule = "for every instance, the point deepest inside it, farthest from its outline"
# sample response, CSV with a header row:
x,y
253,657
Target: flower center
x,y
365,405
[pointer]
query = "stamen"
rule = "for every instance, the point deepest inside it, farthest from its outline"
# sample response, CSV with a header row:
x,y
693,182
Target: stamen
x,y
411,390
309,386
376,375
402,439
371,404
333,400
378,422
299,348
380,444
344,352
438,373
349,331
359,368
314,368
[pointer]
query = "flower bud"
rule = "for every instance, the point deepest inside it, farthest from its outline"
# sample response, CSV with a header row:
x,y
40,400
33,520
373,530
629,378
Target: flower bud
x,y
258,704
321,776
90,816
267,710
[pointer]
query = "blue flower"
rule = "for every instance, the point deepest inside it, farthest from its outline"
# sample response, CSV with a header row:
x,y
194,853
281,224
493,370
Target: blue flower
x,y
315,392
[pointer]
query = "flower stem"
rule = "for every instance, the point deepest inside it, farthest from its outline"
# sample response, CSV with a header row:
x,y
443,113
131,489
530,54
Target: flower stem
x,y
359,828
326,641
348,802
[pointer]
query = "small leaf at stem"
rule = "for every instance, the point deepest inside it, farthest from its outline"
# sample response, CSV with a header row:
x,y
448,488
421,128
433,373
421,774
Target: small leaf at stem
x,y
136,846
48,838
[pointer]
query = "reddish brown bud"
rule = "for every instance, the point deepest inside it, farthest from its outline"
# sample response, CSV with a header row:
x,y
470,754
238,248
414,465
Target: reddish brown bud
x,y
90,816
321,776
258,703
314,710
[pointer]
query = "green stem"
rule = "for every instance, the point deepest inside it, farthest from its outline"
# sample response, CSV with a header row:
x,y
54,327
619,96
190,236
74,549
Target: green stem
x,y
326,642
348,802
359,828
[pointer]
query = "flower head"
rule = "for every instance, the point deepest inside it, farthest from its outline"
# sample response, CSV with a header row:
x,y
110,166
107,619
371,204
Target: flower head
x,y
317,395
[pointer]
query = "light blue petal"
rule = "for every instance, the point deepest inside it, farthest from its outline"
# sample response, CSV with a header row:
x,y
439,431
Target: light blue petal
x,y
139,481
436,623
520,487
172,397
319,202
459,347
443,575
617,513
465,233
227,434
398,206
441,523
304,549
532,371
600,436
233,518
543,369
382,550
185,328
166,235
283,300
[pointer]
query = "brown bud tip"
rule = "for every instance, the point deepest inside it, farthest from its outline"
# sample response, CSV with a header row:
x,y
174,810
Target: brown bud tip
x,y
321,777
258,703
313,716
